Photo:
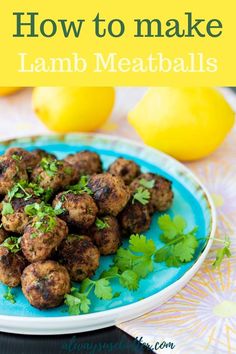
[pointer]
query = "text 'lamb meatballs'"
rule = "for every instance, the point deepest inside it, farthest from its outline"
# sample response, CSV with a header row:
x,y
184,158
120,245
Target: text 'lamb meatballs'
x,y
80,210
105,234
45,284
134,219
80,256
11,267
15,220
161,194
38,244
86,162
11,171
53,174
126,169
109,192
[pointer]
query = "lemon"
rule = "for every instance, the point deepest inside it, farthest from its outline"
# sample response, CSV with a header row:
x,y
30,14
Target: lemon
x,y
8,90
187,123
71,109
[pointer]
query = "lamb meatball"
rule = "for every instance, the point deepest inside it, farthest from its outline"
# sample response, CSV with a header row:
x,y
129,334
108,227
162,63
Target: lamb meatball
x,y
11,171
109,192
45,284
106,235
38,244
126,169
161,194
24,156
86,162
15,220
80,210
40,154
134,219
80,256
3,234
11,267
53,174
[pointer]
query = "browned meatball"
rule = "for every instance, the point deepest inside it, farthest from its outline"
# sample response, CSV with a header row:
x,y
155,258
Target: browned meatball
x,y
134,219
45,284
11,267
39,243
24,156
80,256
3,234
106,235
39,154
161,194
109,192
15,219
80,210
126,169
53,174
11,171
86,162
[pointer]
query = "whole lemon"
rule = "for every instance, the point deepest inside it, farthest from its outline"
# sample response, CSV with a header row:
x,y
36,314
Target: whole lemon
x,y
71,109
187,123
8,90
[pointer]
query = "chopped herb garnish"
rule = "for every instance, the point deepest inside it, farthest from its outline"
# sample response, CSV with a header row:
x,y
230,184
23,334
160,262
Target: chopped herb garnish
x,y
44,216
12,244
50,166
9,296
100,224
80,187
17,157
142,195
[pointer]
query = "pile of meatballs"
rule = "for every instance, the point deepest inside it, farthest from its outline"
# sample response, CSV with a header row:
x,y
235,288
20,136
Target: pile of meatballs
x,y
58,248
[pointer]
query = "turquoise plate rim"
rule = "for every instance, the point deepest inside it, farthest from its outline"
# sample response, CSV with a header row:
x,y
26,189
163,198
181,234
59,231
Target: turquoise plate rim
x,y
73,137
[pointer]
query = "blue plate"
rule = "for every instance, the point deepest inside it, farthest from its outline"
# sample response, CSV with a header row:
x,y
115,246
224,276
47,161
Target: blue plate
x,y
190,200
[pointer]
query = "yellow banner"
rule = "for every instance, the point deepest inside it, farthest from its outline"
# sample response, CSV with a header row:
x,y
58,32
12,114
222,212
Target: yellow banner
x,y
121,42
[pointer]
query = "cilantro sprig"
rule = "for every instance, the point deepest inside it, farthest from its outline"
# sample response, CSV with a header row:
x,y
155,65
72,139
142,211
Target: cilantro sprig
x,y
142,193
9,296
180,246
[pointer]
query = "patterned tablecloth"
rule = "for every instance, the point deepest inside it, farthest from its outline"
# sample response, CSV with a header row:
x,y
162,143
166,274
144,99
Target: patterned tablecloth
x,y
201,317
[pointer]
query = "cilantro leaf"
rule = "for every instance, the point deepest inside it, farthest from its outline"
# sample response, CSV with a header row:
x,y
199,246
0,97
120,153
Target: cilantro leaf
x,y
9,296
171,228
141,195
161,254
73,304
7,208
185,249
147,184
139,243
129,279
103,289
